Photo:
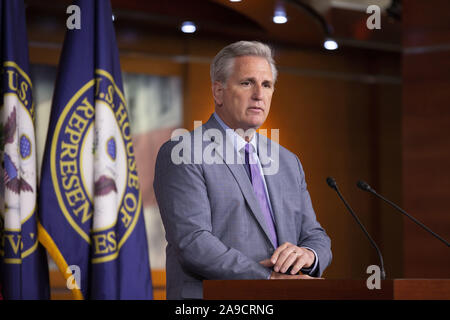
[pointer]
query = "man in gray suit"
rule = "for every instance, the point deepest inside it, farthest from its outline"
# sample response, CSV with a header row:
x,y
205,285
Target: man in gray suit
x,y
234,203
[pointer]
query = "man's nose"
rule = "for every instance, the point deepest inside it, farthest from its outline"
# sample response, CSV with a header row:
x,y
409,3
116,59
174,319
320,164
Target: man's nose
x,y
257,92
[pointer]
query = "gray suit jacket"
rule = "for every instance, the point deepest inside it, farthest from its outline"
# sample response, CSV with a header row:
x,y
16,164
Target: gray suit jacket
x,y
214,226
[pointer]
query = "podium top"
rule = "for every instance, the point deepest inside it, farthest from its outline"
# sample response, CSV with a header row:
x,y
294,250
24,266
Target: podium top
x,y
326,289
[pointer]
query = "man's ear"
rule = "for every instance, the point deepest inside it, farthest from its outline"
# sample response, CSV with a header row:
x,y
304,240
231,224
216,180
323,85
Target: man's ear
x,y
217,89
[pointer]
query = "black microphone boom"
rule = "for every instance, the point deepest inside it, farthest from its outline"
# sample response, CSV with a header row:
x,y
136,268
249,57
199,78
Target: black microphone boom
x,y
365,186
332,184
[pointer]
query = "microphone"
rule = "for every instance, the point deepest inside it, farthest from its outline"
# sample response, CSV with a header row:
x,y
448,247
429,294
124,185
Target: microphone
x,y
333,185
365,186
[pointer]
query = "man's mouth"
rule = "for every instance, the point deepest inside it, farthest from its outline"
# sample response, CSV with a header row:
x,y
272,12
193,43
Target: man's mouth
x,y
256,109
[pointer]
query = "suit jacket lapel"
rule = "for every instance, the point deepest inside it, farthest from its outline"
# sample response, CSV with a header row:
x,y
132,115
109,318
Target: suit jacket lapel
x,y
238,172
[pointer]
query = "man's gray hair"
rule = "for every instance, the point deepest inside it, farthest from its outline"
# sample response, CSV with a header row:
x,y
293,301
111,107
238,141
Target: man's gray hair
x,y
222,65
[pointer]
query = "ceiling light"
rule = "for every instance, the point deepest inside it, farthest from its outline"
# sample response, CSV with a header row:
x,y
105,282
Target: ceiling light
x,y
188,27
330,44
280,16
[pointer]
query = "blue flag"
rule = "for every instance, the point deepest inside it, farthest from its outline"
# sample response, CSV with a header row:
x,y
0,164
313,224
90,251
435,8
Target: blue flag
x,y
23,264
91,204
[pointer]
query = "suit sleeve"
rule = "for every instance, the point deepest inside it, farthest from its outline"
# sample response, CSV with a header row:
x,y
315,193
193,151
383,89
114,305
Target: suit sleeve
x,y
185,210
312,234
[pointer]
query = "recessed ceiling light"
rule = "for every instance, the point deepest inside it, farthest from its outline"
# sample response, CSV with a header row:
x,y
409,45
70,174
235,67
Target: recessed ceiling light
x,y
280,16
188,27
330,44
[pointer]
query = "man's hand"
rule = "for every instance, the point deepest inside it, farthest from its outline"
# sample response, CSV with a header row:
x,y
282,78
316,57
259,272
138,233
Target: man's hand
x,y
288,255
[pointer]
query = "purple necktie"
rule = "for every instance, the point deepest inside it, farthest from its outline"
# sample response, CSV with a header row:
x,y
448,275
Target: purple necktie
x,y
260,192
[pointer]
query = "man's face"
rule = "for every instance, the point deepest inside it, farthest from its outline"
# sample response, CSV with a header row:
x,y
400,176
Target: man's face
x,y
244,102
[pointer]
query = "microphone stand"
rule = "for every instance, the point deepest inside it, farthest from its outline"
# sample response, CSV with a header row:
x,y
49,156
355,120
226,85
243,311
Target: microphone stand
x,y
365,187
332,184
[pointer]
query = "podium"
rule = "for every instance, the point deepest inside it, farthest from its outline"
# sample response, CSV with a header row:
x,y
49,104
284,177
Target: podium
x,y
326,289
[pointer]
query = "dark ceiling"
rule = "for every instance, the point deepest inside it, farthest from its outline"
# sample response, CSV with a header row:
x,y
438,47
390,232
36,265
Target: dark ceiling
x,y
248,19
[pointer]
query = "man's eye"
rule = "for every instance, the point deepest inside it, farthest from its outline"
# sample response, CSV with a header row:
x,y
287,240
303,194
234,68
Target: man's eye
x,y
245,83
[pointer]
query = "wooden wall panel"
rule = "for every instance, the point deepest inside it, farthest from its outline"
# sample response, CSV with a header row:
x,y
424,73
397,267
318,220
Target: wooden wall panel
x,y
426,136
390,176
